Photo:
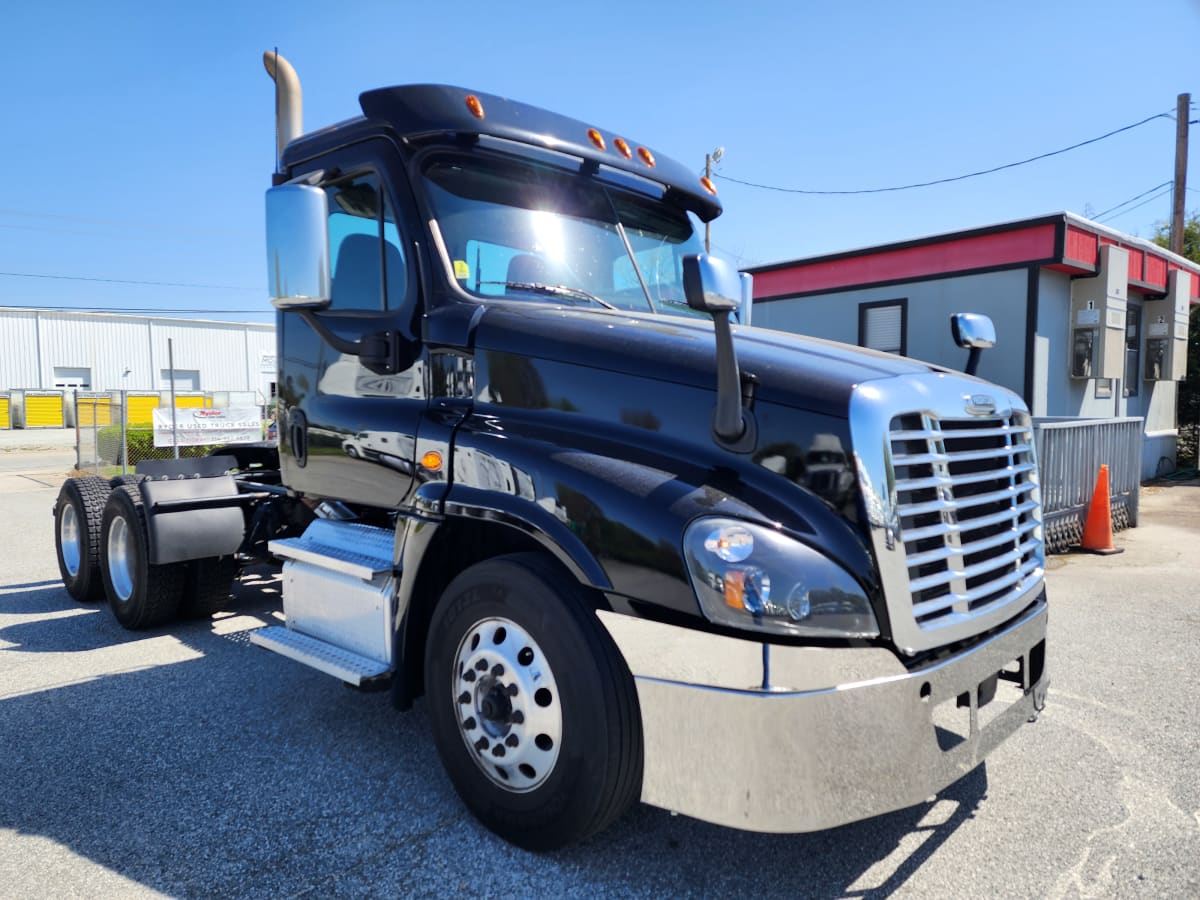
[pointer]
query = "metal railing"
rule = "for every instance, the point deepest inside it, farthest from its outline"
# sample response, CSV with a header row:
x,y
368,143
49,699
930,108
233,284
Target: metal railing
x,y
1070,453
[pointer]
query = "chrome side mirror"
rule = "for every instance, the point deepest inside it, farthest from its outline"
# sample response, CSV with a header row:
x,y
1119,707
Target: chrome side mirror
x,y
974,332
298,247
747,298
711,285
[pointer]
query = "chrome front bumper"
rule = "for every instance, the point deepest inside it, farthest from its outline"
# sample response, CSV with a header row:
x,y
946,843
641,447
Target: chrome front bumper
x,y
789,739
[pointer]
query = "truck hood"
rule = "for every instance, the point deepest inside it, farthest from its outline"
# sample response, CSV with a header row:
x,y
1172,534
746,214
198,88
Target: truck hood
x,y
791,370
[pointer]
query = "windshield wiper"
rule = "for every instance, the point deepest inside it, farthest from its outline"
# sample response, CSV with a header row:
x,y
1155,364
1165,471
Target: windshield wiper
x,y
555,290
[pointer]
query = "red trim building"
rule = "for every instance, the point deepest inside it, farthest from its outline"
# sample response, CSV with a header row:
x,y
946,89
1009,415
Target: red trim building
x,y
1041,280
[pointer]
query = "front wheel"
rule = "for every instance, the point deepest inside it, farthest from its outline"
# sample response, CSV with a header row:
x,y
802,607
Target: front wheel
x,y
533,709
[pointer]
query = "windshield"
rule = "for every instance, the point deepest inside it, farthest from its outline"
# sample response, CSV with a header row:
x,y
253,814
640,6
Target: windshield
x,y
526,231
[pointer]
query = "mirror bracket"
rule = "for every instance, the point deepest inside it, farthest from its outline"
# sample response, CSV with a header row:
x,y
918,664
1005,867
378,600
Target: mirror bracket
x,y
375,351
715,287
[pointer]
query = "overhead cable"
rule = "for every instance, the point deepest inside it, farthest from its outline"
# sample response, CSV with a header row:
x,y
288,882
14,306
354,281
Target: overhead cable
x,y
921,184
158,311
1098,216
210,287
1162,193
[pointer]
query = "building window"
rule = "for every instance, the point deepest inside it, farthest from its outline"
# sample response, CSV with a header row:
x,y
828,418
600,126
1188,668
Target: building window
x,y
185,379
67,377
1133,348
883,325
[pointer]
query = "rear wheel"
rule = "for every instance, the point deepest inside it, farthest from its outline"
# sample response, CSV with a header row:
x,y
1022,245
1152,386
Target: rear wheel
x,y
534,712
140,595
208,586
77,518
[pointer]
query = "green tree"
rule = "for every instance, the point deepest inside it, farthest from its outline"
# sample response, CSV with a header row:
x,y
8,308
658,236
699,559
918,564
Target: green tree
x,y
1187,409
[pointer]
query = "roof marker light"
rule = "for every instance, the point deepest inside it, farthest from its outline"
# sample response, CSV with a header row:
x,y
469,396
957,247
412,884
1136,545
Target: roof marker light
x,y
646,156
707,184
474,106
596,138
623,148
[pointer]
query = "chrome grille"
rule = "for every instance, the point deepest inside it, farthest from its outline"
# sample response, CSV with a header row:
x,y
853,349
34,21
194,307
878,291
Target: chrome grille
x,y
967,510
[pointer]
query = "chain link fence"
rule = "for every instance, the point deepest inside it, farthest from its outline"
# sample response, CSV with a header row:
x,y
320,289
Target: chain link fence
x,y
115,431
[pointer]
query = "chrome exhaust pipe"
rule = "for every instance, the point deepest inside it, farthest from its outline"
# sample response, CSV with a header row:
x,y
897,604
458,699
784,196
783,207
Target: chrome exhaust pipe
x,y
289,103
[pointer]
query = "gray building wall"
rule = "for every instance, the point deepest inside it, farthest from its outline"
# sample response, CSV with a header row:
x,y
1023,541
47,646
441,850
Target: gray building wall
x,y
225,356
1001,295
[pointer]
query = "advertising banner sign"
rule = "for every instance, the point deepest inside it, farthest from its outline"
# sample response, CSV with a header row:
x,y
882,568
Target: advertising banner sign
x,y
207,426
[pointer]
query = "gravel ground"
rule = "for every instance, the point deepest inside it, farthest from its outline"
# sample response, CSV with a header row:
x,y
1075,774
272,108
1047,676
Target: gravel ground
x,y
186,762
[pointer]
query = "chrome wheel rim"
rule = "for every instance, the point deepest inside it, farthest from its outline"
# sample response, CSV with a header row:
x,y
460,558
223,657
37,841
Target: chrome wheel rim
x,y
120,563
507,704
68,539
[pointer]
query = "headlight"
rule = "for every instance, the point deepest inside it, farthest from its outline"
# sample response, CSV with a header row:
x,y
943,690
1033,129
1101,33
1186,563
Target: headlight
x,y
750,577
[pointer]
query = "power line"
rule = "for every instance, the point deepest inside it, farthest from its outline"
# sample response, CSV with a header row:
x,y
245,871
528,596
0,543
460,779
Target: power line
x,y
1099,216
210,287
921,184
156,227
1143,203
143,309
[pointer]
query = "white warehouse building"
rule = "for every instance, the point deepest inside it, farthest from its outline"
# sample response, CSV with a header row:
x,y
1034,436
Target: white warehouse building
x,y
59,351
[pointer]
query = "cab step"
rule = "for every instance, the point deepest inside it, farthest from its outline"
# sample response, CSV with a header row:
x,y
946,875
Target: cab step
x,y
361,551
358,671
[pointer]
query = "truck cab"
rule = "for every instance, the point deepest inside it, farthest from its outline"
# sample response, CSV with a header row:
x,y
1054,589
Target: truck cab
x,y
625,545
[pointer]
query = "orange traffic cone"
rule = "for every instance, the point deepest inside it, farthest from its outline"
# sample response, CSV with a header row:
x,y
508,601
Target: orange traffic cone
x,y
1097,529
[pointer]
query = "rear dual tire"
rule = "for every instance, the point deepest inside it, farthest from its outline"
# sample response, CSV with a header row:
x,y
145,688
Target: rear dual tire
x,y
77,522
140,595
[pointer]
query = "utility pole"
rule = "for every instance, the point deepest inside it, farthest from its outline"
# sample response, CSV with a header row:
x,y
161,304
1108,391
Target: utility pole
x,y
1183,108
709,159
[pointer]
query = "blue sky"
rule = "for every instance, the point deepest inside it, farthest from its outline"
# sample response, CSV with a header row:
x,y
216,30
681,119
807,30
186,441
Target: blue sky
x,y
138,138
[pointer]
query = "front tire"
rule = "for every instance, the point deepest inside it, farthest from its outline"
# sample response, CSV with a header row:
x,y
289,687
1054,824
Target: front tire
x,y
140,595
533,710
77,519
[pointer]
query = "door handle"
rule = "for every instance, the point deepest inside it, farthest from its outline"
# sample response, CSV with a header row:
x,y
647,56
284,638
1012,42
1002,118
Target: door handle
x,y
298,436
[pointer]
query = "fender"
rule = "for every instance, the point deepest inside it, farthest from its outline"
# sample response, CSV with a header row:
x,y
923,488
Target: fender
x,y
207,520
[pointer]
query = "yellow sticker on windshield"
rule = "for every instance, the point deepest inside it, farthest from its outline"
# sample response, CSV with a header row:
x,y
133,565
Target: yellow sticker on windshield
x,y
461,270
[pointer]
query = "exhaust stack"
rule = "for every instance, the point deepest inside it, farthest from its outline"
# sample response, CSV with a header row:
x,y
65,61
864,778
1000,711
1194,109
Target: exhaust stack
x,y
289,104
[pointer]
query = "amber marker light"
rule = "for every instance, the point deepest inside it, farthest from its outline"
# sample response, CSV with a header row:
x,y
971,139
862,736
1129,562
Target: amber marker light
x,y
735,589
706,183
646,156
623,148
474,106
596,138
432,460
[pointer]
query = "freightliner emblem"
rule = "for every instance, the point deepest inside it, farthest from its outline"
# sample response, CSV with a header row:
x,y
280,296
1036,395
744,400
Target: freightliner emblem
x,y
981,405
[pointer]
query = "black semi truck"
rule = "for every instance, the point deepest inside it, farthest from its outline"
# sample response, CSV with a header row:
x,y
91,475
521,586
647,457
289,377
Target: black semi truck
x,y
535,466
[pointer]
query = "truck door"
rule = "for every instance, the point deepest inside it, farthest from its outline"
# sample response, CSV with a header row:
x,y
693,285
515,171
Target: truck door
x,y
351,419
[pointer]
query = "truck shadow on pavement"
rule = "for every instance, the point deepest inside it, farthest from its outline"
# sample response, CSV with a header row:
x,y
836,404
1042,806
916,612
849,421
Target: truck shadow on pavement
x,y
189,762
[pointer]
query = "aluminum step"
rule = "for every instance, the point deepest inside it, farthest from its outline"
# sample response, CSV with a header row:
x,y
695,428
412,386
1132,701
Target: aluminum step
x,y
317,654
361,551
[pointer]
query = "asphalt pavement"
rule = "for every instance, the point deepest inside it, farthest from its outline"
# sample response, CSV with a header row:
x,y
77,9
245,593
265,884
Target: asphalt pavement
x,y
185,762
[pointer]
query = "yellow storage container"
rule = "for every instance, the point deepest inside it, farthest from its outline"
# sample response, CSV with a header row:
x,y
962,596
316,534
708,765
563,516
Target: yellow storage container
x,y
141,409
5,411
92,412
44,410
